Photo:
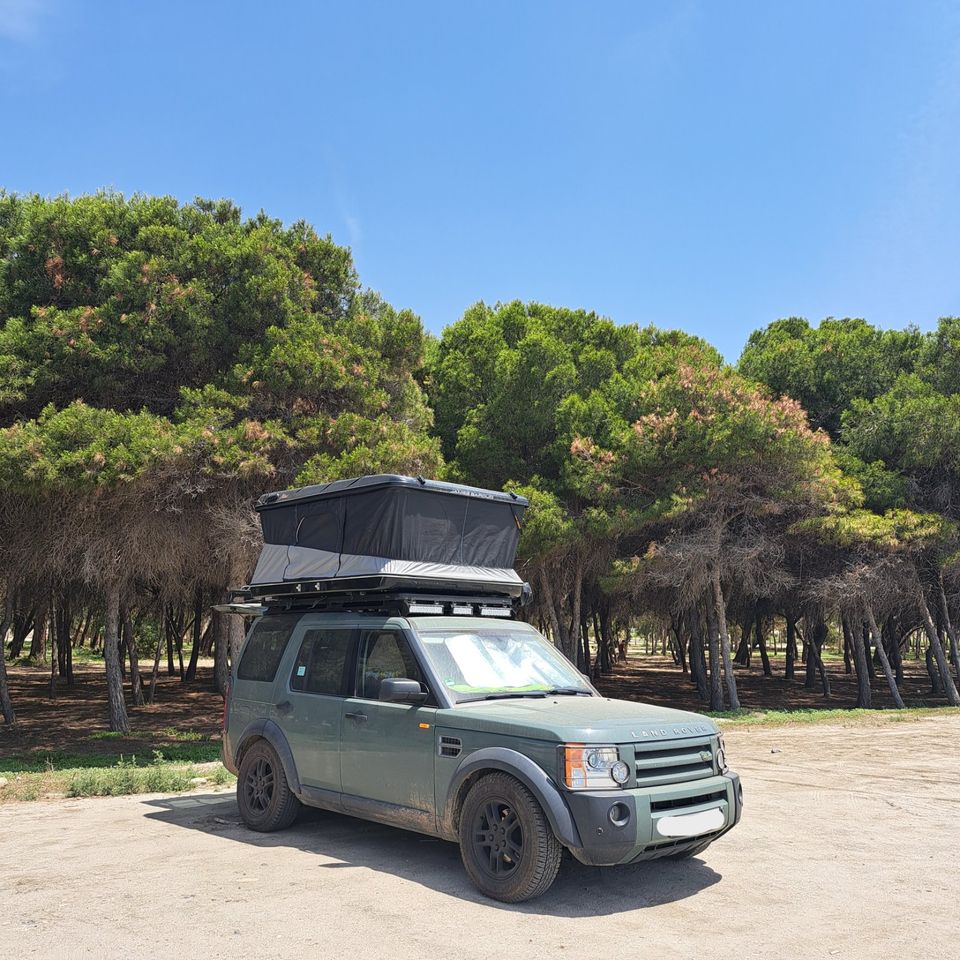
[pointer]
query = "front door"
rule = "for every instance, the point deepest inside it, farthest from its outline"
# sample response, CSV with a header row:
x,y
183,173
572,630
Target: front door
x,y
387,749
310,707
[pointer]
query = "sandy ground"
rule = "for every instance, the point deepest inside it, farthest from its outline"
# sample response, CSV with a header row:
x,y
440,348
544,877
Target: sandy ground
x,y
849,847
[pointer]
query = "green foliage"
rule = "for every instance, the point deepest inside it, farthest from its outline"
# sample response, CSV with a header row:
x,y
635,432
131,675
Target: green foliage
x,y
826,367
123,302
513,385
159,359
705,440
895,530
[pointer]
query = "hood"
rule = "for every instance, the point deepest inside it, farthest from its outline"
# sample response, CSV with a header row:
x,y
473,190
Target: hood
x,y
566,719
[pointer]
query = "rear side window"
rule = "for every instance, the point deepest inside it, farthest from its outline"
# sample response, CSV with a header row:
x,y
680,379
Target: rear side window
x,y
264,649
321,662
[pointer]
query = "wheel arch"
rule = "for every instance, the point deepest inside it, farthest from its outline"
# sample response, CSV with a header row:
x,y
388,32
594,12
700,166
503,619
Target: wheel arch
x,y
269,731
504,760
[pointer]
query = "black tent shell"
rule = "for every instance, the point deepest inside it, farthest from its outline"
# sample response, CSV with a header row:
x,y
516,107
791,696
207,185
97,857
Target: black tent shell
x,y
405,530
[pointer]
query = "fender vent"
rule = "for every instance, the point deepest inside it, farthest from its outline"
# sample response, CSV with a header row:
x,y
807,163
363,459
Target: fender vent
x,y
450,747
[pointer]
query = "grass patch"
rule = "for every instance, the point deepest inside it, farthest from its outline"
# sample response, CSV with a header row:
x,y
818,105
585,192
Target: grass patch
x,y
42,761
126,776
757,718
184,736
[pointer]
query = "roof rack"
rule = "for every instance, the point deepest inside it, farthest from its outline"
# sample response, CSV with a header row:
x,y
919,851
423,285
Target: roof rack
x,y
389,595
387,601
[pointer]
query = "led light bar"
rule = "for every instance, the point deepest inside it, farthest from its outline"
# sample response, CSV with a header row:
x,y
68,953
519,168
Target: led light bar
x,y
462,610
425,608
494,611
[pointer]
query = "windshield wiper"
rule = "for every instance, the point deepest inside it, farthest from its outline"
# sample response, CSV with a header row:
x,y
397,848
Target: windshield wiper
x,y
511,696
570,692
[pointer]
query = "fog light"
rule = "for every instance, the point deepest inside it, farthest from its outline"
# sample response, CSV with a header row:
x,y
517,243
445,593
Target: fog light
x,y
619,814
620,772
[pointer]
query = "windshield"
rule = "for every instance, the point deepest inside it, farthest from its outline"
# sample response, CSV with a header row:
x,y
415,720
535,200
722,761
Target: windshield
x,y
504,659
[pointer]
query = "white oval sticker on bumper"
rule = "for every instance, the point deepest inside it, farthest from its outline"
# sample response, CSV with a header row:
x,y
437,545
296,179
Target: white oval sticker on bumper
x,y
691,824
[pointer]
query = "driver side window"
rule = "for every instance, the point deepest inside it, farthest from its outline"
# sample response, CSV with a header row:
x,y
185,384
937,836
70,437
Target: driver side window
x,y
384,654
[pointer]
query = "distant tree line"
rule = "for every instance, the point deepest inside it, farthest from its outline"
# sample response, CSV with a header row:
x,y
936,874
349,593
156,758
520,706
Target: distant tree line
x,y
163,364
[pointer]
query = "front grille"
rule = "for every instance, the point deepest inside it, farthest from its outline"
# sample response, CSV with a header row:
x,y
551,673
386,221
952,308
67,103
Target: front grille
x,y
667,846
679,802
686,760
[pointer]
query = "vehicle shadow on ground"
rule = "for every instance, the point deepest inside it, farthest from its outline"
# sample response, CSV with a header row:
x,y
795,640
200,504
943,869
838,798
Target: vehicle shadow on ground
x,y
579,891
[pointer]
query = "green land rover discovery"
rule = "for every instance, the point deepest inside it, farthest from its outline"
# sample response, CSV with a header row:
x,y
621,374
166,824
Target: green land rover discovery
x,y
387,676
474,730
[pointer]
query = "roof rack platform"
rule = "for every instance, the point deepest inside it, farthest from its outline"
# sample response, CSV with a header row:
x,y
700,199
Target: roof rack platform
x,y
385,596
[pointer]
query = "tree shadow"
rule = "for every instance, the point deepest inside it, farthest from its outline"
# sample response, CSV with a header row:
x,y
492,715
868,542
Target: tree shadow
x,y
579,891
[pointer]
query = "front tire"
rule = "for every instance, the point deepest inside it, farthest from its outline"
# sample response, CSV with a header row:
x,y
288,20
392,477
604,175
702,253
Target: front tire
x,y
264,797
508,848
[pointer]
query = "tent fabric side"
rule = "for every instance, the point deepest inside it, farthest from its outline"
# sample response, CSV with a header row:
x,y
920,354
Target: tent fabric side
x,y
403,531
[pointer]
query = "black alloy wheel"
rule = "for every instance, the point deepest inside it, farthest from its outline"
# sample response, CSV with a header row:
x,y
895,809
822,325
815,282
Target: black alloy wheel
x,y
498,838
264,796
258,785
509,850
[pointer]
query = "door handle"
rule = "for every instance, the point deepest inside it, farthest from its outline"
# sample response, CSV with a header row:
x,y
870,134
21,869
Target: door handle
x,y
359,717
284,707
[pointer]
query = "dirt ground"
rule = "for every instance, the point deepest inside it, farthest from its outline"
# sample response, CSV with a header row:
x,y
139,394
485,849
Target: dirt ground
x,y
849,847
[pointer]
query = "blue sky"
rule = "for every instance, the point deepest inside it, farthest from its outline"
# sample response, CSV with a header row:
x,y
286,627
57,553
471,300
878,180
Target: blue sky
x,y
699,165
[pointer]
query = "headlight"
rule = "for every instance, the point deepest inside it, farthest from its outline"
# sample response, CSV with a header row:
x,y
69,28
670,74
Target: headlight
x,y
593,768
721,754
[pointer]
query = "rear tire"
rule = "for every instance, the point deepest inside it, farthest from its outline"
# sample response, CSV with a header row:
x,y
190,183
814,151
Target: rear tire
x,y
508,848
264,797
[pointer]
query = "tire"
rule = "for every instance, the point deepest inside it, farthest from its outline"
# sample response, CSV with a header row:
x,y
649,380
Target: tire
x,y
264,797
508,848
687,854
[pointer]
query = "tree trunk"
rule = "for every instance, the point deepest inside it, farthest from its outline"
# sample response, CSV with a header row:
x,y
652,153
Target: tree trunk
x,y
713,645
54,654
891,632
555,622
865,633
854,638
221,651
791,652
951,631
111,655
698,671
743,650
884,660
946,679
191,672
22,624
725,643
762,646
816,635
576,598
130,642
38,642
6,704
170,668
156,665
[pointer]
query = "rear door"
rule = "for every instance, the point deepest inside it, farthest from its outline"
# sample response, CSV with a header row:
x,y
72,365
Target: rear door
x,y
386,754
310,701
252,687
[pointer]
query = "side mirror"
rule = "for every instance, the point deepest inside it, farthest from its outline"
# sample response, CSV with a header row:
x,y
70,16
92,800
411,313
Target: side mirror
x,y
394,690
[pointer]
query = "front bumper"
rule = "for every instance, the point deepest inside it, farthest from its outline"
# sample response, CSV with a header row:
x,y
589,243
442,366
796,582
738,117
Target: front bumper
x,y
620,826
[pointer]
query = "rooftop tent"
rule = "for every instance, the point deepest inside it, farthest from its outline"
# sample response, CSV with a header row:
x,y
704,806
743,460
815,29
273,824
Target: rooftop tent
x,y
403,530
